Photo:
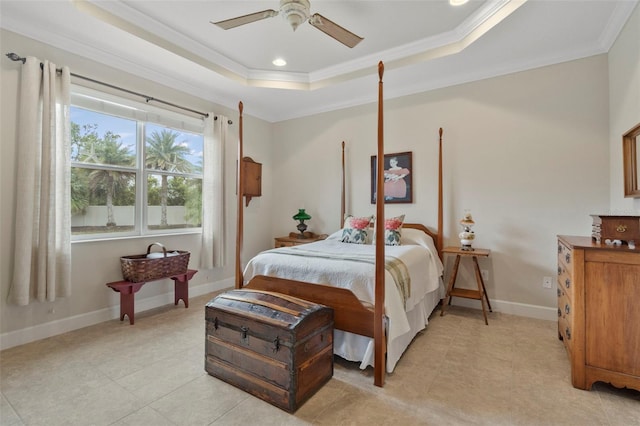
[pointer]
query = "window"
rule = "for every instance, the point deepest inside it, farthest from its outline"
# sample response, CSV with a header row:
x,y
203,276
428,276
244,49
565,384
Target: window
x,y
135,169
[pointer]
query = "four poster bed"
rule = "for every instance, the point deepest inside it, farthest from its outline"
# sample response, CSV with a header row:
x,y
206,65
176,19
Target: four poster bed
x,y
373,323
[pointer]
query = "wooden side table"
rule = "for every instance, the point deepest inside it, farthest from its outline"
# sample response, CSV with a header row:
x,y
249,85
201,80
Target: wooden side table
x,y
294,239
479,294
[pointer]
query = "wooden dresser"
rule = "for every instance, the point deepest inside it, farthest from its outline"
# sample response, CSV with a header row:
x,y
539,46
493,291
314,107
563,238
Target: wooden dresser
x,y
294,239
599,311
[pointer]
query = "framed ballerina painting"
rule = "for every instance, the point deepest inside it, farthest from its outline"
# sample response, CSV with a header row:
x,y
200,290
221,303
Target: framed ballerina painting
x,y
398,184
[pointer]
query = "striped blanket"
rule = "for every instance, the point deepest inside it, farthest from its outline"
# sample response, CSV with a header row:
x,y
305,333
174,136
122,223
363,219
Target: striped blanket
x,y
396,267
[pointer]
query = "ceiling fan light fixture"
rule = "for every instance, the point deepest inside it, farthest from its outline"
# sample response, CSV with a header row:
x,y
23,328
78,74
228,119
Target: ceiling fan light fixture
x,y
295,12
457,2
279,62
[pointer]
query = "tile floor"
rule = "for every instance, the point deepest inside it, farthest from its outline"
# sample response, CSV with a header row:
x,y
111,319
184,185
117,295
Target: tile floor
x,y
457,372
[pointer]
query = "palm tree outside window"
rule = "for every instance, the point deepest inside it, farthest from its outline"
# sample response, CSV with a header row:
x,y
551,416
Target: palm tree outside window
x,y
131,176
179,178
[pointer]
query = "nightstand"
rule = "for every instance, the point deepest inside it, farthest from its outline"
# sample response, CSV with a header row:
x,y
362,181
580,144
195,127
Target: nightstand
x,y
479,294
294,239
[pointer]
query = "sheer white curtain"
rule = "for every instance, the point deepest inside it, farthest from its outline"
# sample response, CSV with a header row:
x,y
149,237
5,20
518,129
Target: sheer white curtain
x,y
215,135
42,266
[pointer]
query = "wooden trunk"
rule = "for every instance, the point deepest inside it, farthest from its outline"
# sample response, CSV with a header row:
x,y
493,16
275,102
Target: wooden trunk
x,y
276,347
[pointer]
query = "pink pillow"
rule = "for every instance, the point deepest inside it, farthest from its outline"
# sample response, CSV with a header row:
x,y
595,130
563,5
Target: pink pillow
x,y
356,229
393,230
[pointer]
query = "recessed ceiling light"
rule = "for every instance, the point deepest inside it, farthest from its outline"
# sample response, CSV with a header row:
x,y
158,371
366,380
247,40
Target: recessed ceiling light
x,y
279,62
457,2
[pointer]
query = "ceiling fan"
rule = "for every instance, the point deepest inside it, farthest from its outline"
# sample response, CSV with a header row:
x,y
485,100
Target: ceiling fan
x,y
296,12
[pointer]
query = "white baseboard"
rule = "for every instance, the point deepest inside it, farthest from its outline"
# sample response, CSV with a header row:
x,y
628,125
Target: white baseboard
x,y
513,308
53,328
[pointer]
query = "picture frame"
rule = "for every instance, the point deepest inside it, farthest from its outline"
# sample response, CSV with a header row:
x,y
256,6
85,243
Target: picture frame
x,y
631,162
398,169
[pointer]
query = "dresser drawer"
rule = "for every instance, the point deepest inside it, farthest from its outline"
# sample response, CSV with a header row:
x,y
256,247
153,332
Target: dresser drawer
x,y
565,281
624,228
565,294
565,309
294,239
565,329
279,244
565,256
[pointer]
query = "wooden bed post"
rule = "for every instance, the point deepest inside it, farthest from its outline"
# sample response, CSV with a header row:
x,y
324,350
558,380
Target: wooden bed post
x,y
440,236
240,186
378,325
343,204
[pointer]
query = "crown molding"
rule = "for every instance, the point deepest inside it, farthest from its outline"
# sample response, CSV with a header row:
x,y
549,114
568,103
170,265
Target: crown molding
x,y
302,81
80,48
444,44
620,15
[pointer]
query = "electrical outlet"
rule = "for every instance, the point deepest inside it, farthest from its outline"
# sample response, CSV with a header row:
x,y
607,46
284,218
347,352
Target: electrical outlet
x,y
546,282
485,275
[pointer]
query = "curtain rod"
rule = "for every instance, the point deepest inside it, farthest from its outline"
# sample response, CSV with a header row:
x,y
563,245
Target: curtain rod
x,y
16,57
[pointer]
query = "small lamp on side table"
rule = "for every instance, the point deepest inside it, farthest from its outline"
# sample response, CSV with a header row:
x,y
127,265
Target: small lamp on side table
x,y
466,236
301,216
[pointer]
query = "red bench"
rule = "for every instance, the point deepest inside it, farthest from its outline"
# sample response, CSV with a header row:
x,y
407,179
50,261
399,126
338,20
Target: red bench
x,y
127,289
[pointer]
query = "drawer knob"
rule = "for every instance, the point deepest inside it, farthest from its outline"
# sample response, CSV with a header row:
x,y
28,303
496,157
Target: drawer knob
x,y
567,309
559,313
559,270
621,228
559,292
244,330
276,345
567,283
559,248
568,333
567,257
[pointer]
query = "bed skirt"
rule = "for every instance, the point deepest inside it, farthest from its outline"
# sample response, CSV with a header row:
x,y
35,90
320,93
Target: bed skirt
x,y
354,347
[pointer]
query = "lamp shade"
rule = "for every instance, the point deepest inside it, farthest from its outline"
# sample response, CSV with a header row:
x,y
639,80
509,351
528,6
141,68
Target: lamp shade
x,y
301,215
467,220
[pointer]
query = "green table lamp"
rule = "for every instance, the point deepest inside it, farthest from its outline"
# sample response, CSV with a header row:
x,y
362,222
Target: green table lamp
x,y
301,216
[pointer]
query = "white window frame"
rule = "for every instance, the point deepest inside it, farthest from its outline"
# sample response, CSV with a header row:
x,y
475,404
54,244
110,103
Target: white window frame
x,y
110,104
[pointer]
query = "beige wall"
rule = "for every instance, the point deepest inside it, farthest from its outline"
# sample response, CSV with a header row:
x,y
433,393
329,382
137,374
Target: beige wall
x,y
95,263
624,110
527,153
531,154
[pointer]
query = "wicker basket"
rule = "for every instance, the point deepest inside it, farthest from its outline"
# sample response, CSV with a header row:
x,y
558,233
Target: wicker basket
x,y
139,268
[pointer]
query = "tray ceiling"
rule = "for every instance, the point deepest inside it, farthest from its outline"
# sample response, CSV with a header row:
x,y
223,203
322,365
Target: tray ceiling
x,y
424,45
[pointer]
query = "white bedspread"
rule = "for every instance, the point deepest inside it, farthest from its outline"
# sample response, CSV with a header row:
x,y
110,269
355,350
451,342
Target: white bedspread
x,y
421,260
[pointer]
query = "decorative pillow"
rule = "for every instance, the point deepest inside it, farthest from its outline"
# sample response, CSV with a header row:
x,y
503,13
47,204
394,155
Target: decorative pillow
x,y
355,229
393,230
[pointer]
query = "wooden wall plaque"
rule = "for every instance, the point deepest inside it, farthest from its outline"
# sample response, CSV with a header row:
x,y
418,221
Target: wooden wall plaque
x,y
252,179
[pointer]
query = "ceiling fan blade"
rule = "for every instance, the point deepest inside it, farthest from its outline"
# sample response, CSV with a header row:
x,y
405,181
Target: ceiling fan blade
x,y
334,30
246,19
